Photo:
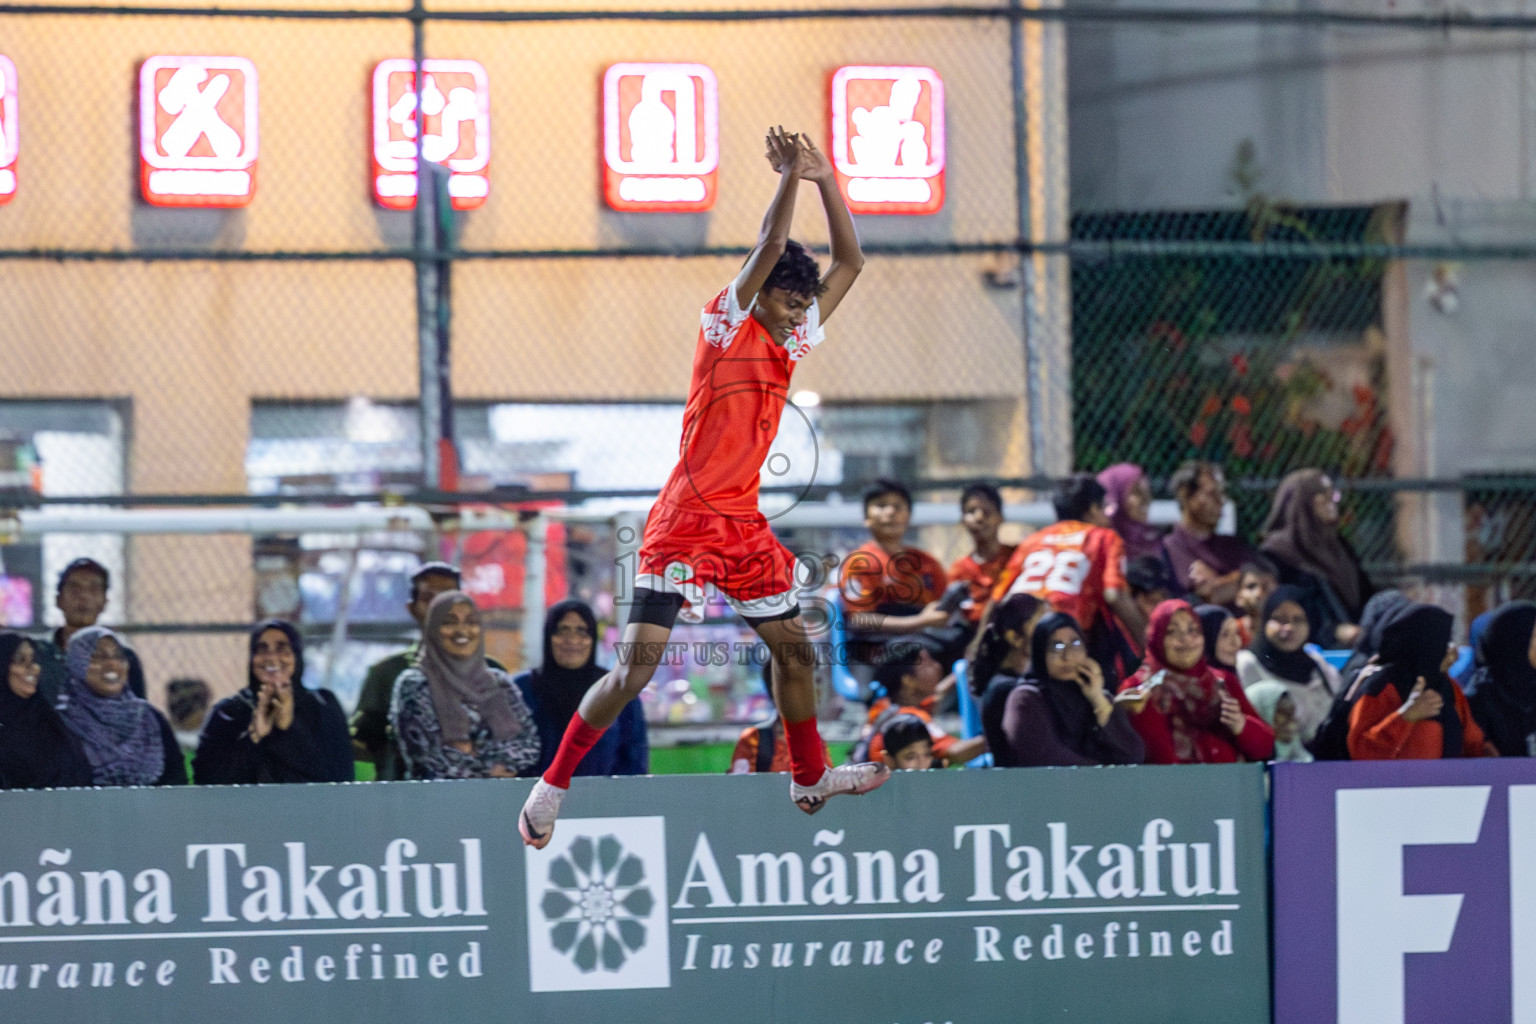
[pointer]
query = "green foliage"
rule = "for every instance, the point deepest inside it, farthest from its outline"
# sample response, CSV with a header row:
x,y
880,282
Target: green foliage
x,y
1217,356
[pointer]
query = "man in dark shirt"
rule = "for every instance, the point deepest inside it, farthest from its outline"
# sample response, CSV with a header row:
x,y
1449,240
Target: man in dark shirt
x,y
81,597
1204,562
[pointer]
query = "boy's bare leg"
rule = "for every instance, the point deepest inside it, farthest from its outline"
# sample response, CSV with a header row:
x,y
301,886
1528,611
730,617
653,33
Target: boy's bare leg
x,y
794,692
642,650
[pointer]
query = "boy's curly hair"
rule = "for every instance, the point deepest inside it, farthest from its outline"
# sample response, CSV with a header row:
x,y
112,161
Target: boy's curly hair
x,y
795,272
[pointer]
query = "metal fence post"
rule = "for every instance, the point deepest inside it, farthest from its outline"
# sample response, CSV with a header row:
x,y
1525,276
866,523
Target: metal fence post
x,y
1031,325
424,235
1037,55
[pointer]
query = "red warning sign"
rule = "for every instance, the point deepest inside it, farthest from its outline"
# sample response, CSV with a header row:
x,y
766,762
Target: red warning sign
x,y
456,102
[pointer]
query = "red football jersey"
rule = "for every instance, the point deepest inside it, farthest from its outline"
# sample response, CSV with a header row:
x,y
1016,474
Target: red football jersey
x,y
1069,566
874,580
981,577
735,399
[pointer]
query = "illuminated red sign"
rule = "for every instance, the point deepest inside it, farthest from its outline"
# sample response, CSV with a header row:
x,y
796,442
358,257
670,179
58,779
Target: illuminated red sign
x,y
10,131
456,102
661,137
197,131
888,138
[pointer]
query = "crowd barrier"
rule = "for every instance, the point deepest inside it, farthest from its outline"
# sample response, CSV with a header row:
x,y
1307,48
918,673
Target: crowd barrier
x,y
1405,892
1021,896
1402,892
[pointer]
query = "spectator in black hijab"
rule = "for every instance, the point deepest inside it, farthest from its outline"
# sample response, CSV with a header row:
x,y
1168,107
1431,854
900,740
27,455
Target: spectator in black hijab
x,y
1380,608
1279,654
1502,690
553,692
1001,659
274,730
1408,708
37,751
1223,636
126,739
1063,714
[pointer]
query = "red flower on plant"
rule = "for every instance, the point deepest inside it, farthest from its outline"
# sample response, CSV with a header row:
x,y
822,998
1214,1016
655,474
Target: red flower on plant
x,y
1384,445
1242,440
1211,407
1241,405
1240,364
1198,434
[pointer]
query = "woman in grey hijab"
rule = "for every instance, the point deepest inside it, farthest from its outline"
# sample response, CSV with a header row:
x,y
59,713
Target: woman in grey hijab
x,y
455,716
126,740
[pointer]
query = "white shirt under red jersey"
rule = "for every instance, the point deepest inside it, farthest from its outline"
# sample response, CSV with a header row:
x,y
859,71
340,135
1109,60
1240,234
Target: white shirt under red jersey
x,y
735,399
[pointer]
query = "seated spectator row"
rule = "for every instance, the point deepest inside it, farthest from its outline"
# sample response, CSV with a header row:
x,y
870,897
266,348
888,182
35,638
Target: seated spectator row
x,y
1096,640
451,712
1079,649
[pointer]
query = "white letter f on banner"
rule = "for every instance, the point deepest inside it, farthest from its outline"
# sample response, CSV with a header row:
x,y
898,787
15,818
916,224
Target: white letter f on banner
x,y
1377,923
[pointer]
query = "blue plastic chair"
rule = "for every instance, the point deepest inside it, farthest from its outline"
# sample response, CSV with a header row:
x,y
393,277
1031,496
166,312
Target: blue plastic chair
x,y
970,713
843,681
1334,658
1337,659
1462,666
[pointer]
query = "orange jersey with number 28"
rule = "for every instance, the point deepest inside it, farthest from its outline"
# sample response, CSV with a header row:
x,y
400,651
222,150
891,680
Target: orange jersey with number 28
x,y
1069,566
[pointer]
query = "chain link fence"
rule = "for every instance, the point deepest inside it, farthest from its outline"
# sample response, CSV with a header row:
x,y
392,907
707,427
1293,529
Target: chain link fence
x,y
175,359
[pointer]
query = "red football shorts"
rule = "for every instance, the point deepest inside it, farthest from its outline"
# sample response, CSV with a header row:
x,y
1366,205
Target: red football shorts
x,y
682,551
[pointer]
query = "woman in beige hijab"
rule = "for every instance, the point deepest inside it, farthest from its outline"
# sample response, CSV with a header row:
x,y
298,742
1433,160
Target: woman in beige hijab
x,y
456,717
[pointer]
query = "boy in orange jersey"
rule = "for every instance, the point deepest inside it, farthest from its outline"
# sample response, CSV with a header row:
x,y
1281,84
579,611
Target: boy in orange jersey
x,y
705,527
1077,566
981,513
888,588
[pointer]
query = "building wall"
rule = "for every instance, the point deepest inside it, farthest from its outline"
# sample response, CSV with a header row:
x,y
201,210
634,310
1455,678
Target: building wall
x,y
191,345
1443,121
1333,116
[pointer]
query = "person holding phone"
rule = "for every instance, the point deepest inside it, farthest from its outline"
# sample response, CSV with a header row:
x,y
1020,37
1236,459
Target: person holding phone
x,y
1186,711
1062,713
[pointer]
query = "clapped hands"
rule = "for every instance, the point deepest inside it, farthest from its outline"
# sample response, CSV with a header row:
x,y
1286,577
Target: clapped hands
x,y
794,151
274,709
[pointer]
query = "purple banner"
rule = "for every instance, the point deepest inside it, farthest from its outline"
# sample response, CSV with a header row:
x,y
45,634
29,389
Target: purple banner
x,y
1405,892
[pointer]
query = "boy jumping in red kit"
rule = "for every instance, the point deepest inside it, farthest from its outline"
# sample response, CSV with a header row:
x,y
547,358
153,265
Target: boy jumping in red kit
x,y
705,527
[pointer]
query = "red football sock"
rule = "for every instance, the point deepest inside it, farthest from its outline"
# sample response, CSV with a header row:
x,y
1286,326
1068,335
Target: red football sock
x,y
578,739
806,760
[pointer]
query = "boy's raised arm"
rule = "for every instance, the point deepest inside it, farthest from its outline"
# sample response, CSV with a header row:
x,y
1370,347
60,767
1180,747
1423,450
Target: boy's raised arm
x,y
847,256
783,156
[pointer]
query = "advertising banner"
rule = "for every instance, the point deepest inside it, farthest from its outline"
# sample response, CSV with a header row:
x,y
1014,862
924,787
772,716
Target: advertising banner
x,y
887,135
1042,895
456,109
661,137
1405,892
198,138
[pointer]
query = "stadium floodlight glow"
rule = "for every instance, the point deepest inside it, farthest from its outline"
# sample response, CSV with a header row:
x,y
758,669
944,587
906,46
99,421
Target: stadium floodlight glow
x,y
10,131
888,138
198,137
456,98
661,137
